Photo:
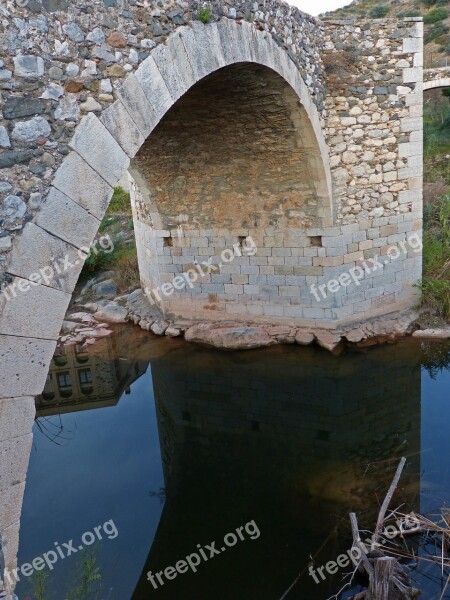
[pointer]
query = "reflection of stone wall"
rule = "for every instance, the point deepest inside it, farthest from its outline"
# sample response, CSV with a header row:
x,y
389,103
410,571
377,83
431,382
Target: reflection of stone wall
x,y
293,438
331,407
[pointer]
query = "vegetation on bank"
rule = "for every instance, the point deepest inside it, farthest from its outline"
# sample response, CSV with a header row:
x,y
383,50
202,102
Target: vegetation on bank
x,y
87,582
435,284
122,261
435,13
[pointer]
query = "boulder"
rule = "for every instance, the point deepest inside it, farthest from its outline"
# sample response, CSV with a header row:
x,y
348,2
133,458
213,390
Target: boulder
x,y
105,289
91,307
68,327
282,334
229,337
330,340
304,337
100,333
355,335
159,327
112,313
440,334
81,317
172,332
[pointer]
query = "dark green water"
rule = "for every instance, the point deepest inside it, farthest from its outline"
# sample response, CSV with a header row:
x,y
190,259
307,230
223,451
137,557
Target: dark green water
x,y
178,446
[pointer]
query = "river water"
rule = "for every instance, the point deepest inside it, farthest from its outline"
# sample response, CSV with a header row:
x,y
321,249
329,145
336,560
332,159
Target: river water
x,y
171,446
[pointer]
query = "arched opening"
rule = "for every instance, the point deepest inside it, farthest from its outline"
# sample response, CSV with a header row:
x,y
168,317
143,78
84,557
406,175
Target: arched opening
x,y
436,198
233,166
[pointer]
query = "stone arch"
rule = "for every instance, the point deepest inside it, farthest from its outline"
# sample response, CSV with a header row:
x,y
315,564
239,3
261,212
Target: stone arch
x,y
83,185
436,83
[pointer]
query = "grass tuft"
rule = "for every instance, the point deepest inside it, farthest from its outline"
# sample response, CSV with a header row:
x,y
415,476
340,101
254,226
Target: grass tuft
x,y
205,15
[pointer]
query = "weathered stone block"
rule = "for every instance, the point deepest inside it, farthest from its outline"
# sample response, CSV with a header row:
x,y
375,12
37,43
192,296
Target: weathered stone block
x,y
179,55
99,149
135,101
24,310
38,254
11,505
406,149
66,219
169,71
16,417
411,124
199,62
14,457
77,180
4,138
412,75
414,44
208,46
122,127
154,87
25,363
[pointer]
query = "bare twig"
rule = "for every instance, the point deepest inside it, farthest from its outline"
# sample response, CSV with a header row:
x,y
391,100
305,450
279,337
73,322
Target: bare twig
x,y
388,499
358,543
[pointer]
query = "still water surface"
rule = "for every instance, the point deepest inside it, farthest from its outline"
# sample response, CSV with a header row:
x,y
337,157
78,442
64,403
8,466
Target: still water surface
x,y
179,445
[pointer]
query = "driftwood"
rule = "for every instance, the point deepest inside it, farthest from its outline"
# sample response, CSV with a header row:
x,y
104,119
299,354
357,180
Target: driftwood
x,y
387,578
387,500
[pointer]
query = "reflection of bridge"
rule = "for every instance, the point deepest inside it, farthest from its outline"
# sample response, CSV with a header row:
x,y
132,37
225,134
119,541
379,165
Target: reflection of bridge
x,y
274,437
270,436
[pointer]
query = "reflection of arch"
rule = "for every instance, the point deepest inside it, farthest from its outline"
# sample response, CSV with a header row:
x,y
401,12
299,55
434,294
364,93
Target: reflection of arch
x,y
436,83
83,185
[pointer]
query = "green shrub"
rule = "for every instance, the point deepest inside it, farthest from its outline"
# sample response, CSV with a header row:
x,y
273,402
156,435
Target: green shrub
x,y
435,15
446,48
120,202
379,11
409,13
204,15
436,295
435,32
429,2
435,285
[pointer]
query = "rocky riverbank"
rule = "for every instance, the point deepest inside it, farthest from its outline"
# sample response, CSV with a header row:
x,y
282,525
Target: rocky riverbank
x,y
85,323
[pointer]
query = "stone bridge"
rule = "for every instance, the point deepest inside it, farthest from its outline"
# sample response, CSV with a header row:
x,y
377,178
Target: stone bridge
x,y
262,123
436,78
233,122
